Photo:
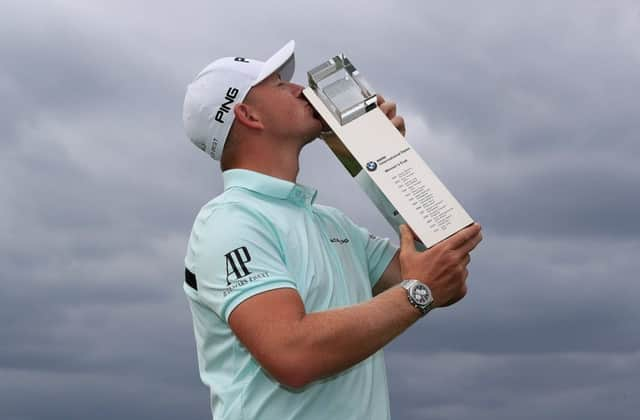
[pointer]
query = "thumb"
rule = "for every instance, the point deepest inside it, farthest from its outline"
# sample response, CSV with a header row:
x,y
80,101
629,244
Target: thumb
x,y
406,238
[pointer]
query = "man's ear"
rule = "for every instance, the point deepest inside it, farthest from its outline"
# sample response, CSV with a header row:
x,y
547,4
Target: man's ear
x,y
247,116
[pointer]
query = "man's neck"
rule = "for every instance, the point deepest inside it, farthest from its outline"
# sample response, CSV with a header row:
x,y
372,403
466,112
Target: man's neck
x,y
283,164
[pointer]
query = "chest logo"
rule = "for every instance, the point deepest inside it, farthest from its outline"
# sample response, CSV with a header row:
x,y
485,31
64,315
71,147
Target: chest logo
x,y
236,261
339,240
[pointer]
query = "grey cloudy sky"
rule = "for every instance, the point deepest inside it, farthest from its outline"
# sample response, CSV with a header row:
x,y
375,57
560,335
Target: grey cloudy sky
x,y
528,111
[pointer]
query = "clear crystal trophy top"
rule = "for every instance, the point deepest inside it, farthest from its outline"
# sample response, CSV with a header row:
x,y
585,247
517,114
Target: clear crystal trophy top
x,y
341,88
375,153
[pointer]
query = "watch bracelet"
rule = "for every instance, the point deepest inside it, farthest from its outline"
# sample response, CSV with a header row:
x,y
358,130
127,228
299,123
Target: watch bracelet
x,y
423,311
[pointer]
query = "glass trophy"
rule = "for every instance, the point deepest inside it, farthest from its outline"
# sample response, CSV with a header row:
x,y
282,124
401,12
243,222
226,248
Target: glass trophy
x,y
374,152
341,88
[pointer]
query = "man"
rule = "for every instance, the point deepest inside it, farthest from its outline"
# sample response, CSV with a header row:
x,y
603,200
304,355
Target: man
x,y
291,301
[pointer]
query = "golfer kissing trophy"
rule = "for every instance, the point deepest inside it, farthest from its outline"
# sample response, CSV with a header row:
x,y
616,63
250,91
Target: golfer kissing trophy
x,y
395,178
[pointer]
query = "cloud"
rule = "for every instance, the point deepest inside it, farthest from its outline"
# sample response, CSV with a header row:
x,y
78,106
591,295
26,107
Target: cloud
x,y
526,112
468,385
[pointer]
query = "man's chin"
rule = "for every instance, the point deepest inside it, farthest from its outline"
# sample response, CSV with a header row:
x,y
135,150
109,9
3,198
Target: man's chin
x,y
313,135
319,127
323,123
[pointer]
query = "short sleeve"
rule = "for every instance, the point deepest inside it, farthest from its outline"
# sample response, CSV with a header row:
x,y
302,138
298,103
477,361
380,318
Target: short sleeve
x,y
234,254
378,251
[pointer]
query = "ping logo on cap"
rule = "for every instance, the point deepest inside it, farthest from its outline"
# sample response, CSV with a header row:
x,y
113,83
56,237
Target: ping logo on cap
x,y
229,98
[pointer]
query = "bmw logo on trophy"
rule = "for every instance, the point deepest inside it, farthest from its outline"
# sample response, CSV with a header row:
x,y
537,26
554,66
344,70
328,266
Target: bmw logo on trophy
x,y
396,179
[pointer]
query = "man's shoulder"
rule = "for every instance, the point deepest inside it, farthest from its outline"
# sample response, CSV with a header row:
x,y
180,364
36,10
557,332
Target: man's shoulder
x,y
234,210
227,210
230,200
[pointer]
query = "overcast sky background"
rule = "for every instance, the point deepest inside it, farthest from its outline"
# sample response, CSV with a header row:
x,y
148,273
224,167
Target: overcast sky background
x,y
528,111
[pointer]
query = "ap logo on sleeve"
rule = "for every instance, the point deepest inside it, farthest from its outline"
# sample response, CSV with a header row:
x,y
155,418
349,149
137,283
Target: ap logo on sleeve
x,y
236,261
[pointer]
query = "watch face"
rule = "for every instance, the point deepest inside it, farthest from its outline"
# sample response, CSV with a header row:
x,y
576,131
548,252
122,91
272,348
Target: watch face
x,y
420,294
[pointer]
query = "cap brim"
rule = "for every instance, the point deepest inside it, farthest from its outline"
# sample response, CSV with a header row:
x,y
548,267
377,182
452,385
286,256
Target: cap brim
x,y
283,61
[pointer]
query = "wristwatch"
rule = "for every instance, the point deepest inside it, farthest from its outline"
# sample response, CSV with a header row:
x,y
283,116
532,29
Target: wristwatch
x,y
419,295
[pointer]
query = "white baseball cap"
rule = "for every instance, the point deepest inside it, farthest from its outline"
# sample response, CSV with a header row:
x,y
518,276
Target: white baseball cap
x,y
208,104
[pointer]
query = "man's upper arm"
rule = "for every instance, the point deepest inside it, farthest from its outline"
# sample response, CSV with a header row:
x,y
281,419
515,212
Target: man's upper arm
x,y
263,323
238,265
234,256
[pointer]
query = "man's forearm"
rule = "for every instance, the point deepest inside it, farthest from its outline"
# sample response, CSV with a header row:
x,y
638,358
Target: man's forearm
x,y
328,342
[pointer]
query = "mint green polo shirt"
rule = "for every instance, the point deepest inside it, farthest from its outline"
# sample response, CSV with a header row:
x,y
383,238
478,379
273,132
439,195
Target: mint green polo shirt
x,y
264,233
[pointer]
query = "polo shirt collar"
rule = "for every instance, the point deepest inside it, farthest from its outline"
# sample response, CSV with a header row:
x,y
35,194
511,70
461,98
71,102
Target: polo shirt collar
x,y
268,185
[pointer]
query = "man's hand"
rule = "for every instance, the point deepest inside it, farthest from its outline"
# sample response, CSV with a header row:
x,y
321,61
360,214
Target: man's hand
x,y
444,266
390,109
